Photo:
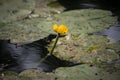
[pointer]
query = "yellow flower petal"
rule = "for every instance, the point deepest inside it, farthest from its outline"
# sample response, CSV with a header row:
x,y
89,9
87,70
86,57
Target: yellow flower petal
x,y
55,27
62,29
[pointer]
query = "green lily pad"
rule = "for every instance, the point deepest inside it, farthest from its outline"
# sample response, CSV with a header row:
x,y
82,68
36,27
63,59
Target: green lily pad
x,y
86,72
86,20
115,46
36,28
12,10
86,49
10,75
38,75
26,30
47,8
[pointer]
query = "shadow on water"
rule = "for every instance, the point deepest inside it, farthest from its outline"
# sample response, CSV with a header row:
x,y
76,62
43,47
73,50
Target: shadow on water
x,y
19,57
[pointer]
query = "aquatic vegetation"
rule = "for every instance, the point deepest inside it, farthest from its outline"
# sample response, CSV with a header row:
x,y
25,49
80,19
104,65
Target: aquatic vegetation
x,y
76,20
87,49
86,20
86,72
15,10
91,48
61,30
15,24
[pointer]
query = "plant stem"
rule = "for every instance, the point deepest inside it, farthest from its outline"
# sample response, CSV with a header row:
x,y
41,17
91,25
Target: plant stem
x,y
51,52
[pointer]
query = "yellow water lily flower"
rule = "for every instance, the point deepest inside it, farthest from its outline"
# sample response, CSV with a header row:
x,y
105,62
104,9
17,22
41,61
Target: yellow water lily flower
x,y
62,29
